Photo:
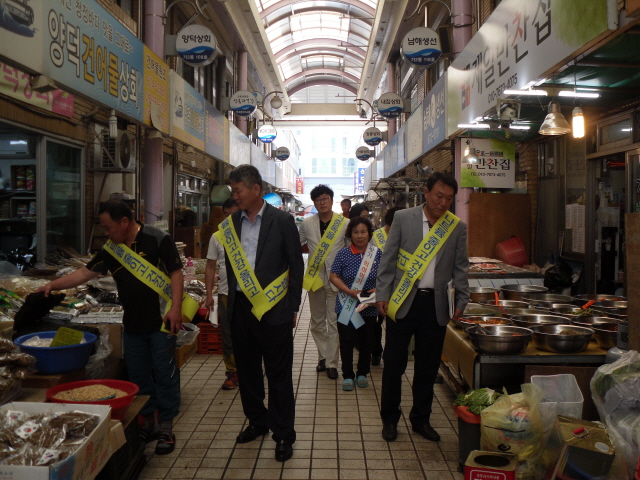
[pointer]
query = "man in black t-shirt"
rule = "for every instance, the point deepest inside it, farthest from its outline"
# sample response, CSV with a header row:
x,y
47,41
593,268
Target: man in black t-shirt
x,y
150,353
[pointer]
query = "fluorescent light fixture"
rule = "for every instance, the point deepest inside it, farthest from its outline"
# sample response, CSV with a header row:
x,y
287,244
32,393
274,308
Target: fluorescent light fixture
x,y
542,93
519,127
113,125
23,142
622,130
571,93
483,126
577,123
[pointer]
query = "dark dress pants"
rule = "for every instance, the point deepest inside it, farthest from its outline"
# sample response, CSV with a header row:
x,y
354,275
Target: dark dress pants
x,y
253,342
349,336
377,336
421,322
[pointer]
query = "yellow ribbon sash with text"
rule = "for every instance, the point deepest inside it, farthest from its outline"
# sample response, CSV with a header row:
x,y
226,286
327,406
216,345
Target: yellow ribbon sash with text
x,y
416,264
261,300
380,238
312,280
151,276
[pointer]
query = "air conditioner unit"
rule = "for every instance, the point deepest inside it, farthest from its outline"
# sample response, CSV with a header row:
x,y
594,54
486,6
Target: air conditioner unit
x,y
114,154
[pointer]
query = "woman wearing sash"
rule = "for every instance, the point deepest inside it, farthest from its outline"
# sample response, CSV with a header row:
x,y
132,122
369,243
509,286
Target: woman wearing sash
x,y
354,271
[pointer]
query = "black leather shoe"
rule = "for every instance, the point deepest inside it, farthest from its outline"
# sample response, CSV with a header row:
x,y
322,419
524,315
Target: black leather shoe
x,y
389,431
332,373
427,432
322,366
375,360
284,451
250,433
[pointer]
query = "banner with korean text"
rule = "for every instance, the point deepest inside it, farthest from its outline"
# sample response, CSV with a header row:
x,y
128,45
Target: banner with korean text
x,y
156,91
187,112
299,185
520,43
81,47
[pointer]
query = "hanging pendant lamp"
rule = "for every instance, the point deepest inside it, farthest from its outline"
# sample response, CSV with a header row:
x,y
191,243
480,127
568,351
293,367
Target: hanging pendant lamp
x,y
554,123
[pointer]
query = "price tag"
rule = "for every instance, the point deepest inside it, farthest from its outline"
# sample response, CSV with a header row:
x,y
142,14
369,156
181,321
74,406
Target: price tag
x,y
67,336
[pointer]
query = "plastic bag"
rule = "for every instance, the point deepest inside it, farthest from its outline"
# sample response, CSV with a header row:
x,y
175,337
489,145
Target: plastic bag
x,y
615,389
96,366
558,276
187,334
512,425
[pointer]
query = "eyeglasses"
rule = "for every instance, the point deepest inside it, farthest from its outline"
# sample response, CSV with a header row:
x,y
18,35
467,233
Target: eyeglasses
x,y
322,200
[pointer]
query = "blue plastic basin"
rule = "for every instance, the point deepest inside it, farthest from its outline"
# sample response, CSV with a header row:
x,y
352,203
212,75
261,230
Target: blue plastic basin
x,y
54,360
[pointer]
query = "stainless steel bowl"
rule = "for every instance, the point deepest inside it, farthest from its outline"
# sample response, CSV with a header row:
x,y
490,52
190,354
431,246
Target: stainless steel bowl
x,y
507,340
519,292
619,313
484,320
598,297
550,338
568,311
528,321
525,311
539,298
481,309
606,334
482,294
611,304
591,321
507,303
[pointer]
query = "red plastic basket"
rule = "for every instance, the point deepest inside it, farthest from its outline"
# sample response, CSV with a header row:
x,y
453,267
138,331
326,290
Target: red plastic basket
x,y
209,340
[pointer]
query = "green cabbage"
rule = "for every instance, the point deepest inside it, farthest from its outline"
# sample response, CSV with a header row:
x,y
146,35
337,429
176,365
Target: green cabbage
x,y
477,400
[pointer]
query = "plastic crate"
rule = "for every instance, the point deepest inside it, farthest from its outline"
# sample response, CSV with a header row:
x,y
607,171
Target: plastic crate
x,y
209,340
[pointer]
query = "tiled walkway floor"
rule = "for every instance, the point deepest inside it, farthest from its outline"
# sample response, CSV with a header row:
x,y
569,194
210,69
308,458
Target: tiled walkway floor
x,y
338,432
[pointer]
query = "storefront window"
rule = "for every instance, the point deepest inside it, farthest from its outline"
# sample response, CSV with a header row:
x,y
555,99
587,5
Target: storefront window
x,y
193,194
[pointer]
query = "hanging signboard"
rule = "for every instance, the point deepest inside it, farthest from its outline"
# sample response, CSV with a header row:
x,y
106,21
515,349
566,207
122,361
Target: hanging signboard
x,y
243,103
434,115
372,136
16,84
517,46
496,167
421,47
80,46
299,185
196,45
374,104
390,105
156,91
282,154
358,181
267,133
187,112
363,153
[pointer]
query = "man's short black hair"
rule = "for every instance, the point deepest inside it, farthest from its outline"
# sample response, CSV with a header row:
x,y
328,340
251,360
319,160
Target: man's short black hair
x,y
354,222
388,217
357,209
117,210
229,203
346,200
247,174
321,190
443,177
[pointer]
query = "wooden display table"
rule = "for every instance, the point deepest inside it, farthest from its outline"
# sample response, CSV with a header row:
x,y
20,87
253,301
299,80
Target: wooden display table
x,y
47,381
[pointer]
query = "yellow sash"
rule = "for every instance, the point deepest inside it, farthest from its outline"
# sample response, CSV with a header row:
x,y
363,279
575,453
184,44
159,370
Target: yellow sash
x,y
261,300
380,238
151,276
312,280
417,263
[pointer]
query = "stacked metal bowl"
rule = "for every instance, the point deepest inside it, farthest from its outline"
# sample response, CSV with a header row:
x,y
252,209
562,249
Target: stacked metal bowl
x,y
500,339
519,292
562,338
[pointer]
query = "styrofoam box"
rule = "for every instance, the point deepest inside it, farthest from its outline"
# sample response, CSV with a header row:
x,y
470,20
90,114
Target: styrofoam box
x,y
84,464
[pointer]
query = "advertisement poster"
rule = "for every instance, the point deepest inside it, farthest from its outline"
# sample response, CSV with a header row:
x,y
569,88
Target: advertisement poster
x,y
496,167
187,112
81,47
216,129
413,136
14,83
156,91
299,185
434,114
517,45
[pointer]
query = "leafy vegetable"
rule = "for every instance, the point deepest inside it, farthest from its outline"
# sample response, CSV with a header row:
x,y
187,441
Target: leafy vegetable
x,y
477,400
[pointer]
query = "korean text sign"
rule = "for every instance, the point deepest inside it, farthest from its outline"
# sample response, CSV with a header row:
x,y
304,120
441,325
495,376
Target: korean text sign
x,y
496,167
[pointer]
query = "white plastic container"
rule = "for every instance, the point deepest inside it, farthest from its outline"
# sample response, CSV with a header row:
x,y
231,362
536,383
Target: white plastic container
x,y
562,397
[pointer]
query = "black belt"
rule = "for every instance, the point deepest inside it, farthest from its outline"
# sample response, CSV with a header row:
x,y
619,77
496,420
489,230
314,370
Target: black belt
x,y
427,292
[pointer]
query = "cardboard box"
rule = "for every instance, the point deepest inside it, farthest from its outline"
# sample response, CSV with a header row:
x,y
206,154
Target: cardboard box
x,y
185,352
481,465
85,463
578,449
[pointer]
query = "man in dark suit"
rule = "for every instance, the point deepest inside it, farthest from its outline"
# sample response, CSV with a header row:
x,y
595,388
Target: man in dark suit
x,y
270,243
420,308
